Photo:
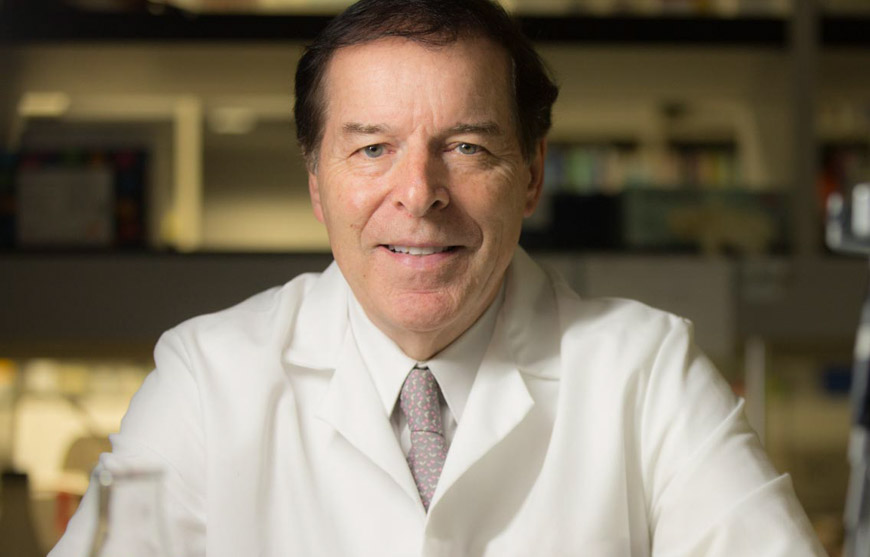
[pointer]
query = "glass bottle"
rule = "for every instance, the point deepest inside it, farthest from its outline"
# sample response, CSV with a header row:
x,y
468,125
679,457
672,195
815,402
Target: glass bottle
x,y
130,521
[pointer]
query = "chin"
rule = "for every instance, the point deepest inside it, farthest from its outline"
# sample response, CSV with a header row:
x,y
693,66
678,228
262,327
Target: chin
x,y
423,315
422,322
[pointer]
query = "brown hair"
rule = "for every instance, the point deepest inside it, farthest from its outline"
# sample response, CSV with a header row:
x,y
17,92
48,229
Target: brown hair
x,y
432,22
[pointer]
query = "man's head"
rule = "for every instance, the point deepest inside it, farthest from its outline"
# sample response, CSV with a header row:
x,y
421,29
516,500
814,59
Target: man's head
x,y
420,167
433,22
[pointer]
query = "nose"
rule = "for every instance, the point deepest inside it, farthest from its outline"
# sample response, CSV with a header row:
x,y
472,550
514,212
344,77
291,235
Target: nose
x,y
420,185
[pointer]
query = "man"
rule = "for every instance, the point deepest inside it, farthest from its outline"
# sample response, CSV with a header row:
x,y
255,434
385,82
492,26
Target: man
x,y
302,421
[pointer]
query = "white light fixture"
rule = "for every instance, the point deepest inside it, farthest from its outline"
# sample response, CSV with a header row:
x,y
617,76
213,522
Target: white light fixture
x,y
235,120
44,104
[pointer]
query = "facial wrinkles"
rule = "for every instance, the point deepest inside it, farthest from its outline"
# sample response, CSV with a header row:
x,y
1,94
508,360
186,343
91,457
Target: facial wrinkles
x,y
419,112
453,225
414,102
426,99
450,225
419,117
425,110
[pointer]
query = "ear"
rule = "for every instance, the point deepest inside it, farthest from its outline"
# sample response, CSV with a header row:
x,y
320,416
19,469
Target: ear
x,y
536,177
314,192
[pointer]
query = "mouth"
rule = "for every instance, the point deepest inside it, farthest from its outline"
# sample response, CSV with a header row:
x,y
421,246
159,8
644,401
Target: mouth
x,y
416,250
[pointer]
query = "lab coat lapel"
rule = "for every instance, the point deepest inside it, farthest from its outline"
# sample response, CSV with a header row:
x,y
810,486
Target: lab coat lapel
x,y
322,340
321,322
354,409
497,403
525,342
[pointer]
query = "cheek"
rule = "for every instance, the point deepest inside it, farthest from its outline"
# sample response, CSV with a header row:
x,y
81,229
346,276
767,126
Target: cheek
x,y
350,203
496,218
499,203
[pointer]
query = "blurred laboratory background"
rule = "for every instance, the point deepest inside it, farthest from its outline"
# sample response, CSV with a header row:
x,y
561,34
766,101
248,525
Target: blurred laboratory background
x,y
149,173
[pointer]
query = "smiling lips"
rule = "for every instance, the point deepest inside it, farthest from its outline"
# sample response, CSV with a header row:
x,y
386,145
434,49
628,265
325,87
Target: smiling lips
x,y
412,250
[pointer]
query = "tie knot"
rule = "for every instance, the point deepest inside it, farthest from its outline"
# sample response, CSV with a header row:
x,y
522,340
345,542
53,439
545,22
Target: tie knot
x,y
420,402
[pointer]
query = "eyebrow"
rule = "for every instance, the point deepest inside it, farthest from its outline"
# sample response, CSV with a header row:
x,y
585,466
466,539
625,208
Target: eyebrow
x,y
355,128
482,128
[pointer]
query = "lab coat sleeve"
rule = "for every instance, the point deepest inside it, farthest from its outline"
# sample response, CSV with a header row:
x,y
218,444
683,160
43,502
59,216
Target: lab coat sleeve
x,y
162,429
711,490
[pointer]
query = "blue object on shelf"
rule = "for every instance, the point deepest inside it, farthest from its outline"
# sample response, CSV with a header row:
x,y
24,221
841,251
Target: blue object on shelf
x,y
837,379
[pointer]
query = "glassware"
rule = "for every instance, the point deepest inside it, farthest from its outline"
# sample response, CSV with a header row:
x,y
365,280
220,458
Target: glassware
x,y
131,520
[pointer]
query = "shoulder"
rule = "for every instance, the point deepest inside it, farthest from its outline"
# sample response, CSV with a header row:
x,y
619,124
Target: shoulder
x,y
552,331
618,318
628,346
623,344
260,329
538,291
256,316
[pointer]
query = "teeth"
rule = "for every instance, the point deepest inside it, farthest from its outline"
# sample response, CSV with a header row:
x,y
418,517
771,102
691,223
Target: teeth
x,y
417,251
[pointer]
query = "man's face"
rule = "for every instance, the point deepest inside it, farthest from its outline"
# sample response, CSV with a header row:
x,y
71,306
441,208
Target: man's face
x,y
421,182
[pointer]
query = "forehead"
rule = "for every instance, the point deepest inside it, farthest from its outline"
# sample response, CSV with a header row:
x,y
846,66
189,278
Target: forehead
x,y
399,75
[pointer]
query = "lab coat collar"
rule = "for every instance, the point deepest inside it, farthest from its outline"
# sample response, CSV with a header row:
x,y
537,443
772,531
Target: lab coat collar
x,y
530,329
530,325
353,408
321,324
525,341
497,403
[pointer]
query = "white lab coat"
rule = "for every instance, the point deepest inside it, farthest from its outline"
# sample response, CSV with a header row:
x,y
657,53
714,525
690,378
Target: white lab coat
x,y
593,428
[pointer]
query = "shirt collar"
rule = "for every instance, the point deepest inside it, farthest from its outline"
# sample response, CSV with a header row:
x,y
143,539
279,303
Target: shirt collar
x,y
454,367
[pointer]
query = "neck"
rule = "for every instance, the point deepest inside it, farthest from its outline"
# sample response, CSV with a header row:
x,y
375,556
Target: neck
x,y
423,347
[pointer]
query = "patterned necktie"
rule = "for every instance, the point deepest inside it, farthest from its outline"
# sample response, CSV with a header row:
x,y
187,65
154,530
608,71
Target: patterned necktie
x,y
420,403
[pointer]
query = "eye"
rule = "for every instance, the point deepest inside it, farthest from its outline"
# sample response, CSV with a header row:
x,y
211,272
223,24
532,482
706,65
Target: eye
x,y
468,148
373,151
